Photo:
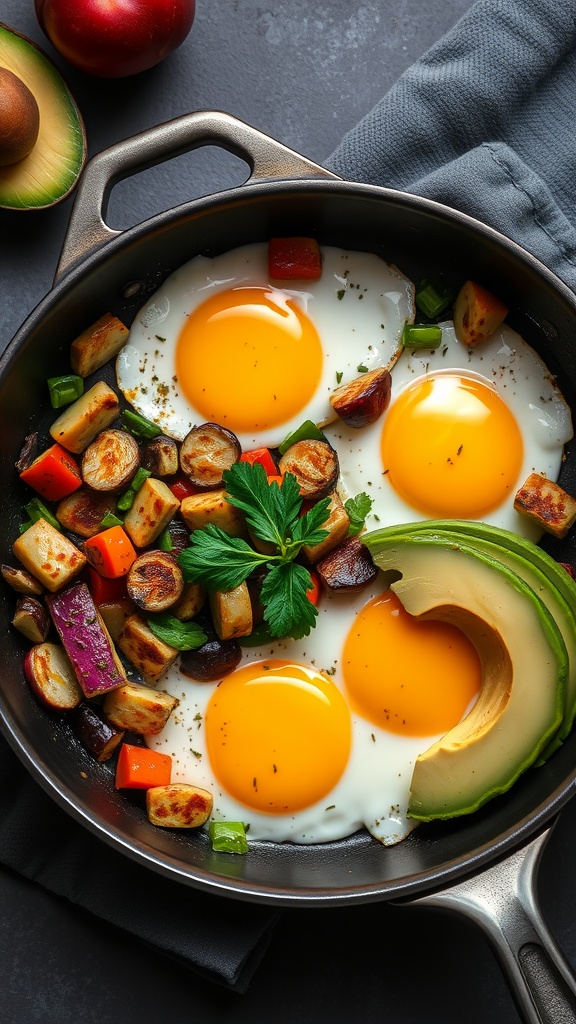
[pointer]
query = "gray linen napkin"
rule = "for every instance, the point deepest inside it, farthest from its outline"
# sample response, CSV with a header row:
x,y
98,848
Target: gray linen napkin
x,y
484,122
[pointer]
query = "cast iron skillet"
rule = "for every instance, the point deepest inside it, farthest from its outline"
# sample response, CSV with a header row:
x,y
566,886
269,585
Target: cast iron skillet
x,y
482,865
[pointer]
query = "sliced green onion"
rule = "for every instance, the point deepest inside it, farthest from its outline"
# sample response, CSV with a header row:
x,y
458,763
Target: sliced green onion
x,y
65,389
111,520
433,297
307,431
36,509
139,425
25,526
139,477
126,499
228,837
421,335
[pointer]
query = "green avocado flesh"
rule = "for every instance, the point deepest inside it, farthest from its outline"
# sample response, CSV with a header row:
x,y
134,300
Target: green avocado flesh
x,y
525,663
51,169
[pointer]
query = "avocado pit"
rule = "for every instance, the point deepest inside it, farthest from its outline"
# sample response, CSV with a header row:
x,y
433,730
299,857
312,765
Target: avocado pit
x,y
19,119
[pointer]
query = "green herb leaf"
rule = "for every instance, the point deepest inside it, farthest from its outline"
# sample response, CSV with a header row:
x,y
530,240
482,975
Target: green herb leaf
x,y
287,609
218,561
185,636
357,509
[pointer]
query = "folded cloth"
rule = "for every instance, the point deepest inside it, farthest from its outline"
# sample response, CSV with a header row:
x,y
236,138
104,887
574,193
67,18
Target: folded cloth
x,y
484,122
221,940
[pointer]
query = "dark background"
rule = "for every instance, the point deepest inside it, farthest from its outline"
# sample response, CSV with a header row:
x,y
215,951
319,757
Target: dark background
x,y
303,72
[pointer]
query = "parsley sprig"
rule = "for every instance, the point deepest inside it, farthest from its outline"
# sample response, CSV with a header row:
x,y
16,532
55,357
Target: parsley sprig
x,y
272,513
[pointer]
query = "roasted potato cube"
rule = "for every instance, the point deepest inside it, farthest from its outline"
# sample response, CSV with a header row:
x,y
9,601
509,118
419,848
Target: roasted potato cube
x,y
31,619
189,603
48,555
232,612
147,652
548,504
178,805
337,526
115,613
161,456
363,400
152,510
94,411
477,314
139,708
213,507
97,344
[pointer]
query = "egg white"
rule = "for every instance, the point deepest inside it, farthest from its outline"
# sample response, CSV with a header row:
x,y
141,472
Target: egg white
x,y
359,307
374,789
522,380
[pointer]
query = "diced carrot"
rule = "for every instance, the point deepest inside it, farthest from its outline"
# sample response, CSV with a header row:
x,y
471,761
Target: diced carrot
x,y
105,588
264,457
182,487
142,768
275,477
54,474
110,552
290,258
314,592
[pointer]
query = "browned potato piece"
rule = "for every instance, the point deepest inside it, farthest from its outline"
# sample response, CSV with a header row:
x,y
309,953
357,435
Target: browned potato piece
x,y
94,411
348,568
97,344
51,677
147,652
213,507
83,511
161,456
110,460
363,400
154,581
232,612
315,466
477,314
48,555
337,526
31,619
115,613
548,504
139,708
152,510
206,452
178,805
21,581
190,602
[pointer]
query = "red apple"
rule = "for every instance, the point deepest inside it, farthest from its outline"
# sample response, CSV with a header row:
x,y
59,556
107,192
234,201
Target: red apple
x,y
114,38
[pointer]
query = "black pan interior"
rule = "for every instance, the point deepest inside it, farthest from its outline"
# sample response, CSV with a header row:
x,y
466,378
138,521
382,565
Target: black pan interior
x,y
420,238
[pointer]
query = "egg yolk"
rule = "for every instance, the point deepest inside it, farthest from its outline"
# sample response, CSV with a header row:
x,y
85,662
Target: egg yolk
x,y
406,675
451,446
249,358
278,735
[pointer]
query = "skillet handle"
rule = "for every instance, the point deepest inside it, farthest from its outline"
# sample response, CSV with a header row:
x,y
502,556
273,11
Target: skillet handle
x,y
502,900
267,159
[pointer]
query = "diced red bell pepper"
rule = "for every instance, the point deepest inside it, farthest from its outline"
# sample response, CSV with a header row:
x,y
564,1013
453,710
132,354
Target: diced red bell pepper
x,y
182,487
105,588
314,592
264,457
290,258
54,474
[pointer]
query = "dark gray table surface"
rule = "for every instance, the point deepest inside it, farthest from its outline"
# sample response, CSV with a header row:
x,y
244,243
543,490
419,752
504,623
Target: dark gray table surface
x,y
303,73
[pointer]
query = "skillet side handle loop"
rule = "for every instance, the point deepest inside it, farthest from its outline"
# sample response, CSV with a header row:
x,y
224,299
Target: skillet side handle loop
x,y
267,159
502,900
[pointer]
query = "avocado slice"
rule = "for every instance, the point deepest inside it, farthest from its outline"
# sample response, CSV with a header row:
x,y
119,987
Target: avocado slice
x,y
539,570
50,170
524,666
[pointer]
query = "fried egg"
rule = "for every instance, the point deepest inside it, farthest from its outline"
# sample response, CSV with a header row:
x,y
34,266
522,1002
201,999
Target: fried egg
x,y
464,429
218,342
311,740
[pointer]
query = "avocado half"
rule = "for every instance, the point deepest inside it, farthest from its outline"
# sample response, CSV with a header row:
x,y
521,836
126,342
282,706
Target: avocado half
x,y
51,169
525,665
